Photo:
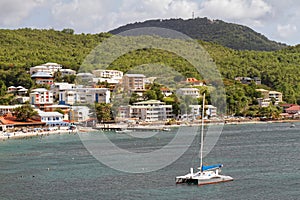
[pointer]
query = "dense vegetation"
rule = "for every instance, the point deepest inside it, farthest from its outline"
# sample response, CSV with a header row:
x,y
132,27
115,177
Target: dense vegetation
x,y
226,34
30,47
24,48
278,70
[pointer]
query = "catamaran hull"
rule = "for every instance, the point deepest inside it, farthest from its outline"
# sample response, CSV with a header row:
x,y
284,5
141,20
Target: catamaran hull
x,y
186,180
196,181
221,180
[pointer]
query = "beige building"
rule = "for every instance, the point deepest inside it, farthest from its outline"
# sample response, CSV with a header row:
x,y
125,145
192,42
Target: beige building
x,y
134,82
267,97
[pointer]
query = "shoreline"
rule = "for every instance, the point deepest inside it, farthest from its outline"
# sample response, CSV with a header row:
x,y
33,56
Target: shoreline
x,y
153,126
21,135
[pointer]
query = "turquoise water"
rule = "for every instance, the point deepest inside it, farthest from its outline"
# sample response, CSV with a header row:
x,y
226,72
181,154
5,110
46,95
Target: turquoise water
x,y
264,160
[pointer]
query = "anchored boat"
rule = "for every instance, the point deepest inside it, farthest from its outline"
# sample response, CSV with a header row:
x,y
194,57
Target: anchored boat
x,y
206,174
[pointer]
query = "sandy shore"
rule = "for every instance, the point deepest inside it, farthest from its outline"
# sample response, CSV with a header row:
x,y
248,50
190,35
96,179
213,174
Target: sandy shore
x,y
21,135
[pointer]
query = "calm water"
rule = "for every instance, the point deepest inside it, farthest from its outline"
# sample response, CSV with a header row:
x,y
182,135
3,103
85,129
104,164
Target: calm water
x,y
264,160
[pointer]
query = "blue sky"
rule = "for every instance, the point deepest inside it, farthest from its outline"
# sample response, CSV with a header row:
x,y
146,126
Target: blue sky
x,y
276,19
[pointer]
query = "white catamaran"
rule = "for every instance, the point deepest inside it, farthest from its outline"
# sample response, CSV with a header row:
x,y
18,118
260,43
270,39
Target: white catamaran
x,y
206,174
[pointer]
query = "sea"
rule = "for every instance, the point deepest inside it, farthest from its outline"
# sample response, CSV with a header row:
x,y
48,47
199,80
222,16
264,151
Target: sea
x,y
263,159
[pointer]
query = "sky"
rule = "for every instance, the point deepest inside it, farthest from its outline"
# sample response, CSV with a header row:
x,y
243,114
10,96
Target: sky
x,y
276,19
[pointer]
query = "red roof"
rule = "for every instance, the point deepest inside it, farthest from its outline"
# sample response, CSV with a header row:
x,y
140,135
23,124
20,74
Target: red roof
x,y
192,80
9,120
293,108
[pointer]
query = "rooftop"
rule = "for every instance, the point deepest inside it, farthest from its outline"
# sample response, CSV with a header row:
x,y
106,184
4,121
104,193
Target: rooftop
x,y
41,75
40,90
50,114
149,102
293,108
135,75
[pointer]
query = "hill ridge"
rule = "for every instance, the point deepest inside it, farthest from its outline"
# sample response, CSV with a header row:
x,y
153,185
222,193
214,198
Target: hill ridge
x,y
235,36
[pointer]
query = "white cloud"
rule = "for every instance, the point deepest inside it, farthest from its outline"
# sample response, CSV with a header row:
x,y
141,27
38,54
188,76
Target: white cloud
x,y
243,10
286,31
12,12
135,10
92,15
83,15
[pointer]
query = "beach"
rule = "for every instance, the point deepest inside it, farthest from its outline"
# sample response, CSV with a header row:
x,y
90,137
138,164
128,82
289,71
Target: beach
x,y
41,133
159,126
20,135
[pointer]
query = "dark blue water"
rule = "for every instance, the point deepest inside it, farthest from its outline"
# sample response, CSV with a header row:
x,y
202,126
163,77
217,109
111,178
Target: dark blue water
x,y
264,160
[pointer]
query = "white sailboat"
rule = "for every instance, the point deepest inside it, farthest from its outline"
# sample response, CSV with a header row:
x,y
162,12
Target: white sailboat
x,y
206,174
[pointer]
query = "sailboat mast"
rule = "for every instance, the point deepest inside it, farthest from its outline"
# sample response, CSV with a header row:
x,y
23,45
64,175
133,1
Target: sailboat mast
x,y
202,130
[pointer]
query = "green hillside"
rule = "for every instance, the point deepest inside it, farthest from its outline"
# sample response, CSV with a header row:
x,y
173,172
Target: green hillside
x,y
30,47
24,48
226,34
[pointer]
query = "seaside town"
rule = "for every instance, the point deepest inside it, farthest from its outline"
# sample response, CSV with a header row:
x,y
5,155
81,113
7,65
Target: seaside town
x,y
151,100
62,106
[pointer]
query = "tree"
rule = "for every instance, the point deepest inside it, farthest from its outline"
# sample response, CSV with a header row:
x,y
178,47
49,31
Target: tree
x,y
24,112
2,88
134,98
68,31
69,78
58,76
149,95
103,112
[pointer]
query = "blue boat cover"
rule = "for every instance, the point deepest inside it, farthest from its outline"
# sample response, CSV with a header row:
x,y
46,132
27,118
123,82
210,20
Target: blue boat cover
x,y
204,168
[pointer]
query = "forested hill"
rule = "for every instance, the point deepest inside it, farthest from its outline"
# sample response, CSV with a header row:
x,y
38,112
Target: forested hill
x,y
24,48
30,47
226,34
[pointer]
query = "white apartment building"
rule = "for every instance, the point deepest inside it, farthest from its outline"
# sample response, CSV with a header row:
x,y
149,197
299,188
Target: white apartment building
x,y
84,95
79,113
193,92
41,98
50,68
263,102
211,110
111,74
52,118
196,111
65,72
107,80
4,109
150,111
59,87
20,90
